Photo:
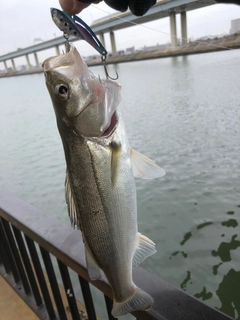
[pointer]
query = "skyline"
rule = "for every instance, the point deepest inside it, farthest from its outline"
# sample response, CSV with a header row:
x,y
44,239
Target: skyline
x,y
34,22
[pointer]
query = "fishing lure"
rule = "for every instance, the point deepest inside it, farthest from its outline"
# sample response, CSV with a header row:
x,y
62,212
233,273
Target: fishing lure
x,y
72,25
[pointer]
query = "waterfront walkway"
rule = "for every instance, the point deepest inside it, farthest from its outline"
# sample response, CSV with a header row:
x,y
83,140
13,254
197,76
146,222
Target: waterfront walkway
x,y
12,306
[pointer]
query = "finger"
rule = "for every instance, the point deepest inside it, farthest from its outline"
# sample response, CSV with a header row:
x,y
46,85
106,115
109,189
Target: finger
x,y
73,6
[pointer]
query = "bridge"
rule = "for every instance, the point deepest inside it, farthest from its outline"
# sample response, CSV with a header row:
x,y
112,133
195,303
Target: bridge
x,y
117,21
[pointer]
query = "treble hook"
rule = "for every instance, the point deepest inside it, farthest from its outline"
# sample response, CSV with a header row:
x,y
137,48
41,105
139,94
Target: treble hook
x,y
105,68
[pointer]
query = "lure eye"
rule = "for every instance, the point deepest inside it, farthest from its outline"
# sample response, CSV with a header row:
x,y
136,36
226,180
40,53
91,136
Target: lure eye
x,y
61,91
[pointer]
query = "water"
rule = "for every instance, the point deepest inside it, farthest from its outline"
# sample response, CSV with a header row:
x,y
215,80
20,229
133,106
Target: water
x,y
184,113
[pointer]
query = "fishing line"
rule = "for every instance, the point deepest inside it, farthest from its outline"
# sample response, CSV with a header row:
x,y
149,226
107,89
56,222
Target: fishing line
x,y
159,31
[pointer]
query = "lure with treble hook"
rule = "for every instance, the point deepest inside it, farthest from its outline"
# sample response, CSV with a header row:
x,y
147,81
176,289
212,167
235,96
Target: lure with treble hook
x,y
72,25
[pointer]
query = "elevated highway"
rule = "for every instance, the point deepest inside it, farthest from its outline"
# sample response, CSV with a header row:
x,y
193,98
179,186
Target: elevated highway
x,y
161,9
117,21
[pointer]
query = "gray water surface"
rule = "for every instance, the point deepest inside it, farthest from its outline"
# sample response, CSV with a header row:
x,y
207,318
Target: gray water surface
x,y
182,112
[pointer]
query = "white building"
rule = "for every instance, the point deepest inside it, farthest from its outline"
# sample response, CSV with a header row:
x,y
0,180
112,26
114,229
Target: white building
x,y
235,26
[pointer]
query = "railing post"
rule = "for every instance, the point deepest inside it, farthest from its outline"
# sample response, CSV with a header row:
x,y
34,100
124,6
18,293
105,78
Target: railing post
x,y
3,251
87,296
69,290
109,305
8,252
53,282
28,266
41,279
16,257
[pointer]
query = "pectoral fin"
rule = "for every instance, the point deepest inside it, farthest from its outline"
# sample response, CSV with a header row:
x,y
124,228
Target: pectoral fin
x,y
116,150
94,271
144,248
143,167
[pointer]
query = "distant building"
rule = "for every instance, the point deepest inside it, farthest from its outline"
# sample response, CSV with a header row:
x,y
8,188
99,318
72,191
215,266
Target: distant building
x,y
209,37
235,26
156,47
130,50
22,67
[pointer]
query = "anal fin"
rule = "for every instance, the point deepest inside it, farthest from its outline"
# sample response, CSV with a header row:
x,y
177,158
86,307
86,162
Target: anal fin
x,y
144,248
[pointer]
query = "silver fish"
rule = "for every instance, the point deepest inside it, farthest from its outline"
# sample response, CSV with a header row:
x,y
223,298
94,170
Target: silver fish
x,y
100,185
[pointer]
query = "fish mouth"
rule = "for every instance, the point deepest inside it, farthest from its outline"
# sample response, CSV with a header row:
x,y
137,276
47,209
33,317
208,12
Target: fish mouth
x,y
112,126
70,58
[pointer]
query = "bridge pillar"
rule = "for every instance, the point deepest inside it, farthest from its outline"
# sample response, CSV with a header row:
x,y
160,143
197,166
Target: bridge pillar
x,y
36,60
5,65
173,29
28,62
113,43
184,39
102,40
13,65
57,50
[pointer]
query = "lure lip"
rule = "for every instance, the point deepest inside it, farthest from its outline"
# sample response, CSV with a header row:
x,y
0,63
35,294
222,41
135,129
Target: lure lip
x,y
73,25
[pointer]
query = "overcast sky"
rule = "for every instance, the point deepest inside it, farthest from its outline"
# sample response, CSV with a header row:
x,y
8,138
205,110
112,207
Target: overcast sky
x,y
23,21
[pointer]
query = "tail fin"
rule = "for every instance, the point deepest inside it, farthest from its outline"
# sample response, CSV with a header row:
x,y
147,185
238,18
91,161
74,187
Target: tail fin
x,y
140,300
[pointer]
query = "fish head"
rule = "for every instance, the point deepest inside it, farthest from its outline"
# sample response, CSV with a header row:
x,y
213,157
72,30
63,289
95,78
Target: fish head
x,y
80,99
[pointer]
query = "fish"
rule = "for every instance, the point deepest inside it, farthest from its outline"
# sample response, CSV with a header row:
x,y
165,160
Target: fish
x,y
100,176
72,25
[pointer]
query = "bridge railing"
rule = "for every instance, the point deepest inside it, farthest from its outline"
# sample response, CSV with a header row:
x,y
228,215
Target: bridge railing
x,y
29,242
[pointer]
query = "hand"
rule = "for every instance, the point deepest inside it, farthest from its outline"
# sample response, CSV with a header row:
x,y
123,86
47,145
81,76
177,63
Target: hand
x,y
137,7
74,6
228,1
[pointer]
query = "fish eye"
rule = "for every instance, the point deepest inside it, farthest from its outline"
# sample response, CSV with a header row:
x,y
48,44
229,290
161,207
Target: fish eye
x,y
61,91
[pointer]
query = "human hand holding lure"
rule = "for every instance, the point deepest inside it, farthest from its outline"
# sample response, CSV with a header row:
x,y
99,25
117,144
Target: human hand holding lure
x,y
71,25
137,7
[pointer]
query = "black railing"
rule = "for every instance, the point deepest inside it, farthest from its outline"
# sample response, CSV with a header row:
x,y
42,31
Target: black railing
x,y
28,236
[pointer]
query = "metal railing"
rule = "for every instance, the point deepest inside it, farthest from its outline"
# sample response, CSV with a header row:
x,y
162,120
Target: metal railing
x,y
28,236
